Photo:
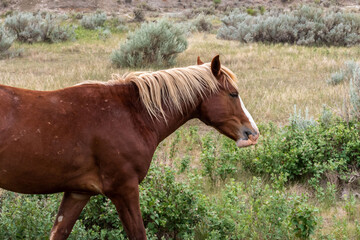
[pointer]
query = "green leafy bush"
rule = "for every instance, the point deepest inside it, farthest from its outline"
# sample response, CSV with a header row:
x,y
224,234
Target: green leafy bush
x,y
302,218
256,211
219,163
330,145
27,217
93,21
42,27
155,43
169,208
304,26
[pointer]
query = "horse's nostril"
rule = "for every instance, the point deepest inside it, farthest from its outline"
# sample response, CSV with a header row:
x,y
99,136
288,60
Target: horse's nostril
x,y
247,133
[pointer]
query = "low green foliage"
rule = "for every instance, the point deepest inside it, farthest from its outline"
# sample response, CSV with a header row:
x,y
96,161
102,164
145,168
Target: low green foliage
x,y
154,43
298,152
27,217
219,160
303,219
170,209
256,211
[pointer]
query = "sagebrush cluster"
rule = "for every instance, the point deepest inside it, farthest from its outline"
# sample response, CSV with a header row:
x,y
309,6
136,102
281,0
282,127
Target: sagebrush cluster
x,y
304,26
93,21
41,27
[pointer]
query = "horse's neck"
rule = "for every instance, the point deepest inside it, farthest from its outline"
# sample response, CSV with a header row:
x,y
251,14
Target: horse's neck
x,y
160,127
173,122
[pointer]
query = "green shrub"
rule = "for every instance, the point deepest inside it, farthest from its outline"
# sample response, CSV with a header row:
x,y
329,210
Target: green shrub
x,y
27,217
256,211
155,43
302,217
94,21
219,160
42,27
304,26
169,208
330,145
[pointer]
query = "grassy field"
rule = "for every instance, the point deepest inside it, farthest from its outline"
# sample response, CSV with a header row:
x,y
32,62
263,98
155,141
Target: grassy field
x,y
272,79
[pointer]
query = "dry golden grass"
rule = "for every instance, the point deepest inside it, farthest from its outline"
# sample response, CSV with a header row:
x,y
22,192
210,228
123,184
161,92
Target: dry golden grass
x,y
272,78
337,224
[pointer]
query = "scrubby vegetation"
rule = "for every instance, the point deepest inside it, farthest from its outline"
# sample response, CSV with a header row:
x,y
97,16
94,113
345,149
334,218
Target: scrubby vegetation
x,y
355,93
172,210
202,23
93,21
41,27
305,26
308,153
344,74
155,43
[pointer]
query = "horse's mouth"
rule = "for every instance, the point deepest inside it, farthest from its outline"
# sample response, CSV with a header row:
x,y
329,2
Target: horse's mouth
x,y
252,140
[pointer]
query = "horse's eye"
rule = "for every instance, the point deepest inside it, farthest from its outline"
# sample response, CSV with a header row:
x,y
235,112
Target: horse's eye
x,y
234,95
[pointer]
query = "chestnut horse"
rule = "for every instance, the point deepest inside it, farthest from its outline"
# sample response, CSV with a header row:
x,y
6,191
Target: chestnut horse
x,y
99,138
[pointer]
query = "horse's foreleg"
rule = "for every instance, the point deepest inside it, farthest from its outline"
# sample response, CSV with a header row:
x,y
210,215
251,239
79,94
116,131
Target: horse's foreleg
x,y
128,206
70,209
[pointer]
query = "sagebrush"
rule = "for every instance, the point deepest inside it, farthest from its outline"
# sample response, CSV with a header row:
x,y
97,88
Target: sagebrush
x,y
93,21
154,43
6,40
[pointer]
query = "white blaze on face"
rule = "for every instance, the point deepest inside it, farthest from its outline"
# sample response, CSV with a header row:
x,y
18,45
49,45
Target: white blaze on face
x,y
251,120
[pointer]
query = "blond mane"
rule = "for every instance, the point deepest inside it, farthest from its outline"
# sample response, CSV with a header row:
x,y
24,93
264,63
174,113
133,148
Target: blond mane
x,y
176,89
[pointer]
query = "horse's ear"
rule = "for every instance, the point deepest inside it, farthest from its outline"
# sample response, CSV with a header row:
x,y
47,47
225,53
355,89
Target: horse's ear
x,y
216,66
199,62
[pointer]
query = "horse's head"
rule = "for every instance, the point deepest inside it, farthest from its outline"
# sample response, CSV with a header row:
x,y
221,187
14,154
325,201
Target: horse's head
x,y
225,111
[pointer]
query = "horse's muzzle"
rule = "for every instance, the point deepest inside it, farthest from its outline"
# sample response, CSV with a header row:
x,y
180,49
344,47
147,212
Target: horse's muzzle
x,y
252,140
